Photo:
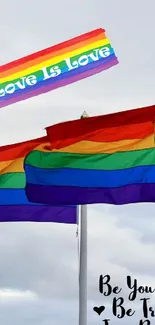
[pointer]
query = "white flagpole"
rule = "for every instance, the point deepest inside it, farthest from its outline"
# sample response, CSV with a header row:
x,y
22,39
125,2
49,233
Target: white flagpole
x,y
83,262
83,268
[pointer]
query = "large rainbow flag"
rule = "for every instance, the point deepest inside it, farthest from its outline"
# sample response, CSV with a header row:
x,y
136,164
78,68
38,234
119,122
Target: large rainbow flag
x,y
56,66
104,159
14,205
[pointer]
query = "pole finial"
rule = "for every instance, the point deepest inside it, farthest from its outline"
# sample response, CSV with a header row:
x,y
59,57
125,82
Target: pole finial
x,y
84,115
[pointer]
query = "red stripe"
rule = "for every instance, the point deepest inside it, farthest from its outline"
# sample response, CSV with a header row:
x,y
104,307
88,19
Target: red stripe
x,y
19,150
125,132
60,46
125,125
40,59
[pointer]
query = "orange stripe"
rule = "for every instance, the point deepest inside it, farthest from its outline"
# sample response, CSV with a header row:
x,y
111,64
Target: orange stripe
x,y
89,147
52,49
85,147
50,56
19,150
16,166
12,166
44,147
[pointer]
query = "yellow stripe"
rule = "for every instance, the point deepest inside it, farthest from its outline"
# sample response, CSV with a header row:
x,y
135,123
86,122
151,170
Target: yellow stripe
x,y
55,60
85,147
16,166
12,166
90,147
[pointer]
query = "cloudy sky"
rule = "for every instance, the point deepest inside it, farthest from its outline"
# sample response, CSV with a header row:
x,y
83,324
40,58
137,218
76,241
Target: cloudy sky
x,y
39,262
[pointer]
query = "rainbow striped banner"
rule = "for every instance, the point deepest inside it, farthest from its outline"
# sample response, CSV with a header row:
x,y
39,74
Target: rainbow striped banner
x,y
103,159
14,205
55,67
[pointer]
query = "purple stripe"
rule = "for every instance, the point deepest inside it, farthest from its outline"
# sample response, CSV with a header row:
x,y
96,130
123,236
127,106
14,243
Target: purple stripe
x,y
59,84
38,214
133,193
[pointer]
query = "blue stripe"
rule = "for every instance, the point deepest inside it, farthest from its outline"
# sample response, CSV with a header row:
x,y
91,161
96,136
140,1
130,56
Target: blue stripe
x,y
16,197
90,178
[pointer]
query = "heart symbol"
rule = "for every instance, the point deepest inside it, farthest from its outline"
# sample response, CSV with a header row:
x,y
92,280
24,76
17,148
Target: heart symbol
x,y
99,310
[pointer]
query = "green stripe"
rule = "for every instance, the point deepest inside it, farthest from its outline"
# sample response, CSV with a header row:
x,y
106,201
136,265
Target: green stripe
x,y
62,64
119,160
12,180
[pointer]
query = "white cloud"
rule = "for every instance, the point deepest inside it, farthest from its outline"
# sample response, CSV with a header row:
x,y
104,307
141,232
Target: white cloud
x,y
6,294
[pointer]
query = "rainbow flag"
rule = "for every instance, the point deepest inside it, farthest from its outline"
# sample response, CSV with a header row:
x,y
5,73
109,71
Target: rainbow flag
x,y
14,205
104,159
55,67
